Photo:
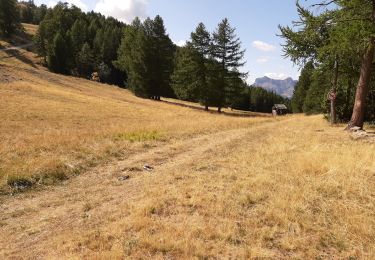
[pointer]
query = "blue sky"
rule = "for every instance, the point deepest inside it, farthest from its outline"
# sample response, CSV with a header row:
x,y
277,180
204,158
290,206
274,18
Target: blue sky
x,y
256,22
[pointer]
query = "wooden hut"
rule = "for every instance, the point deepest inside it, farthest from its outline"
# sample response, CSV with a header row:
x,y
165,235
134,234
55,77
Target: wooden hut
x,y
279,110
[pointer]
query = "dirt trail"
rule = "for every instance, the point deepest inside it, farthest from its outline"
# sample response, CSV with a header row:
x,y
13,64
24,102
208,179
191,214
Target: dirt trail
x,y
23,46
30,221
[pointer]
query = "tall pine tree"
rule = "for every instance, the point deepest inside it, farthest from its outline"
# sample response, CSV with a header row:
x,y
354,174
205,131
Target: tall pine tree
x,y
131,59
146,54
227,51
57,59
187,78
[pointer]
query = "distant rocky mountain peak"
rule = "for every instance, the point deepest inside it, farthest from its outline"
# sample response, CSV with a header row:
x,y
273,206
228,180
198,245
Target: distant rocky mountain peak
x,y
283,87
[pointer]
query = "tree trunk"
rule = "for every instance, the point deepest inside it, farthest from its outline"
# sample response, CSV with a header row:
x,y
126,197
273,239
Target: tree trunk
x,y
334,92
358,115
333,111
348,96
206,108
219,109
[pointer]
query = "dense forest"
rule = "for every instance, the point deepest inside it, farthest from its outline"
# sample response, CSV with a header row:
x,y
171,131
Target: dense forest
x,y
333,42
141,56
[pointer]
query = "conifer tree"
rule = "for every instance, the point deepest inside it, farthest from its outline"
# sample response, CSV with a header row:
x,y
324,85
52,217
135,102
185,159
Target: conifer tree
x,y
131,59
146,54
78,35
315,101
57,59
9,17
345,31
85,60
160,60
302,87
187,79
227,51
201,40
209,87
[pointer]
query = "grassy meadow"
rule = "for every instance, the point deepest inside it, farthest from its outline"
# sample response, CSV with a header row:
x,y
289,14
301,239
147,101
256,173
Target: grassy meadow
x,y
218,187
53,126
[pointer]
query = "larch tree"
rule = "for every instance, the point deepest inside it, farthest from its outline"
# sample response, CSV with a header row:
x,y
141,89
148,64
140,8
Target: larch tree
x,y
146,54
160,59
226,49
131,59
188,77
209,89
340,31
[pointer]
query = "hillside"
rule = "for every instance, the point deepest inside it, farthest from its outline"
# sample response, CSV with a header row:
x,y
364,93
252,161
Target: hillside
x,y
113,176
284,87
66,123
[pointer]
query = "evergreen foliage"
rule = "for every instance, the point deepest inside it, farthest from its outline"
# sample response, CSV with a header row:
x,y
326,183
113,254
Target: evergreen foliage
x,y
91,43
57,59
302,87
85,60
146,55
226,49
9,17
30,13
143,58
262,100
341,32
189,77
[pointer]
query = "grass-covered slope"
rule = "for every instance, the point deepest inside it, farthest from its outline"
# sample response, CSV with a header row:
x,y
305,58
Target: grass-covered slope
x,y
53,125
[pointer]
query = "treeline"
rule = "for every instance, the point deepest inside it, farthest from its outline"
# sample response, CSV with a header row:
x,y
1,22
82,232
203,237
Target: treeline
x,y
205,71
78,43
9,17
335,47
315,85
142,57
12,13
146,56
30,13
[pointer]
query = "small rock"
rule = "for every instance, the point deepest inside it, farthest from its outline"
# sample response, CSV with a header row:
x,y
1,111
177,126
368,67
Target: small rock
x,y
360,134
355,129
132,169
123,178
148,168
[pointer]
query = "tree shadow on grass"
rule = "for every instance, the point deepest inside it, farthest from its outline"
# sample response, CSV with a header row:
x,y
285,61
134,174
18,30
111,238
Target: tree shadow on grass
x,y
15,53
231,114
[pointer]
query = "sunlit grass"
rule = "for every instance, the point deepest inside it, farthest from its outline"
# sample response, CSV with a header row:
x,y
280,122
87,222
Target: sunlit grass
x,y
220,188
52,123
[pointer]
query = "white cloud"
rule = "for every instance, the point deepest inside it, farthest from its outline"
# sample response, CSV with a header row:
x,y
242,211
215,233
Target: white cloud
x,y
273,75
77,3
180,43
123,10
262,60
262,46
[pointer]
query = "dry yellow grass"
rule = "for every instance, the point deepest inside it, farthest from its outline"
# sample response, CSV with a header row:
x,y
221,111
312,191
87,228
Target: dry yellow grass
x,y
30,29
222,187
53,125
